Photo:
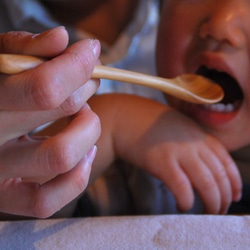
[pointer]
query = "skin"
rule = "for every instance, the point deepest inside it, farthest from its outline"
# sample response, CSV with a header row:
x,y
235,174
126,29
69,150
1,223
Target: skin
x,y
162,141
154,137
145,133
37,97
44,165
215,34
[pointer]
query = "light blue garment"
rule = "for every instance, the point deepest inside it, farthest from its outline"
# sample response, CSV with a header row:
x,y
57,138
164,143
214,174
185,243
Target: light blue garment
x,y
28,15
138,44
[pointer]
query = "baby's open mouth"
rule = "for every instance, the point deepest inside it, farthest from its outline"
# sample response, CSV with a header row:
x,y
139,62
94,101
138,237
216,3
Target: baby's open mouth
x,y
233,94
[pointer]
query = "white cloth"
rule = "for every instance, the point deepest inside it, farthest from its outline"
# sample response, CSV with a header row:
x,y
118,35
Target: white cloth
x,y
179,232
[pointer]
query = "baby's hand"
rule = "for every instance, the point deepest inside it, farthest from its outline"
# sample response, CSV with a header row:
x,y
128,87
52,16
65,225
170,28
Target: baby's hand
x,y
169,146
185,158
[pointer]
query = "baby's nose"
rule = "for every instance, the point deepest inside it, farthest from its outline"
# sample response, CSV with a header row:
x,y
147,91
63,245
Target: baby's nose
x,y
226,22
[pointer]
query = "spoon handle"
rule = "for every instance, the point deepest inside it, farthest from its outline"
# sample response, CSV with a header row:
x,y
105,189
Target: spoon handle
x,y
178,87
122,75
13,64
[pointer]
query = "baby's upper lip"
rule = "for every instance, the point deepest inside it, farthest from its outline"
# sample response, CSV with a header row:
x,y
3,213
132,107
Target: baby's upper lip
x,y
215,61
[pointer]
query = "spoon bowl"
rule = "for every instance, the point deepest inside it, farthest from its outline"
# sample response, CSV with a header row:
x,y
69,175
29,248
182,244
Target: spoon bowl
x,y
188,87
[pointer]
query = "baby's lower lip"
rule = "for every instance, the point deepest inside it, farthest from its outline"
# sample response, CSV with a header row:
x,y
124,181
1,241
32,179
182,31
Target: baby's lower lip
x,y
210,116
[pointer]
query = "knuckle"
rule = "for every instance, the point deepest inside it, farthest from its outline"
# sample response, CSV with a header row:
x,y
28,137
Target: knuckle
x,y
95,127
208,183
229,163
81,183
46,91
222,174
84,63
87,65
15,41
41,207
60,157
71,105
95,122
8,38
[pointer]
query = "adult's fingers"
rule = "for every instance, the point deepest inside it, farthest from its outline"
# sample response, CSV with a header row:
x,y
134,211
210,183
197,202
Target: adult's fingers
x,y
47,44
48,85
32,199
18,123
51,156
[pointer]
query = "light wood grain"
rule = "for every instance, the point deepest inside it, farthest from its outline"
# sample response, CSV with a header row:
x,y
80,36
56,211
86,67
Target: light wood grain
x,y
190,87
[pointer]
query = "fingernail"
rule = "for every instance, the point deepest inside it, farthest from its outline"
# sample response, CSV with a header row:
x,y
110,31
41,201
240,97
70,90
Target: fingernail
x,y
86,105
90,156
48,32
95,46
238,197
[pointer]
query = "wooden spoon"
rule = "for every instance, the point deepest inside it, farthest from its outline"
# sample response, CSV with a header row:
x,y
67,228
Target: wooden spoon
x,y
189,87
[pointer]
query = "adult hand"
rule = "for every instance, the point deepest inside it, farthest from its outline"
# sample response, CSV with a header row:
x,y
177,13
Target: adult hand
x,y
57,88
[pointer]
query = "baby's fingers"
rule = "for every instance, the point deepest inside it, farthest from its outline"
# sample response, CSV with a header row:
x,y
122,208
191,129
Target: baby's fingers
x,y
231,172
203,181
235,181
218,182
179,184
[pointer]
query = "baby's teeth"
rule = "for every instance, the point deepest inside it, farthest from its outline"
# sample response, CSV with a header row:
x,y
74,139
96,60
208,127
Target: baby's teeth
x,y
220,107
229,108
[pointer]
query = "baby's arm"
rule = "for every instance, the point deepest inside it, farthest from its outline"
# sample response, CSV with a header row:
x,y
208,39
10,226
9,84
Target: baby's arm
x,y
169,146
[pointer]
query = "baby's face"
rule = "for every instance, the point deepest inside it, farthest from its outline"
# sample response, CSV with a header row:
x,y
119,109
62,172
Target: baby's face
x,y
211,38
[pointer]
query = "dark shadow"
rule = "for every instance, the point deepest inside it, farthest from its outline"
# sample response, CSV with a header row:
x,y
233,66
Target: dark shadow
x,y
22,234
